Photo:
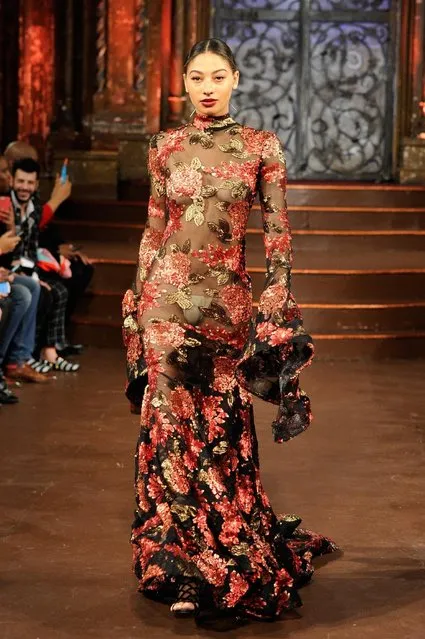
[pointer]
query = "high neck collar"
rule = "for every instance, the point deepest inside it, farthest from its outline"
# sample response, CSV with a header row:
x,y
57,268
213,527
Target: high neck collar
x,y
203,121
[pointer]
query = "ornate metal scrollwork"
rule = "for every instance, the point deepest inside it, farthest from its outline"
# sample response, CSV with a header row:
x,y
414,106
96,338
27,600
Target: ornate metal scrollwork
x,y
319,73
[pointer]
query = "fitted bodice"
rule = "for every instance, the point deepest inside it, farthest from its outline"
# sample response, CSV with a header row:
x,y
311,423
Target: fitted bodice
x,y
192,300
204,178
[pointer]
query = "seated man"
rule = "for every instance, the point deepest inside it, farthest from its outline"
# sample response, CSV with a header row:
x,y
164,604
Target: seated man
x,y
14,322
82,270
27,213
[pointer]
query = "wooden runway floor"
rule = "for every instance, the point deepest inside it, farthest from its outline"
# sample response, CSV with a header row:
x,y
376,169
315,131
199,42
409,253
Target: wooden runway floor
x,y
357,475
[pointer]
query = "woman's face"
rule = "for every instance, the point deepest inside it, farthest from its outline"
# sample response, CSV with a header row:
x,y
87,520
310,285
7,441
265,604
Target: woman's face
x,y
209,80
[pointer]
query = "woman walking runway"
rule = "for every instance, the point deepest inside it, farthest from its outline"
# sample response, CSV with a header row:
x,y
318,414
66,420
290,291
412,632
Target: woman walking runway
x,y
204,524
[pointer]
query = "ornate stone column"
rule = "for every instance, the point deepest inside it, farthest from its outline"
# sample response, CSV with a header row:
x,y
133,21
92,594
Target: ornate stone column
x,y
176,97
190,23
118,106
412,90
36,71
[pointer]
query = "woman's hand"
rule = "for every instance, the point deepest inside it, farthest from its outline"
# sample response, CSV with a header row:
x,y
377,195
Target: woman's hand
x,y
8,241
69,252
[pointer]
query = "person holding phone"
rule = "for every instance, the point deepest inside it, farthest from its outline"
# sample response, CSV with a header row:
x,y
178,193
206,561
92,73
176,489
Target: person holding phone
x,y
18,341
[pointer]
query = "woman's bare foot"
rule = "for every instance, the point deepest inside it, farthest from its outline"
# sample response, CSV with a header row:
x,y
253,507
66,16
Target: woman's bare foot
x,y
187,600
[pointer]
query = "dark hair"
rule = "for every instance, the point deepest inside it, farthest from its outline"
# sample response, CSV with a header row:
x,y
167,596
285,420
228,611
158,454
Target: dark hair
x,y
214,45
28,165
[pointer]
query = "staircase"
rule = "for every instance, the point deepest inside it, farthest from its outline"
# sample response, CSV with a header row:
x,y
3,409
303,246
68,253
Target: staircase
x,y
358,276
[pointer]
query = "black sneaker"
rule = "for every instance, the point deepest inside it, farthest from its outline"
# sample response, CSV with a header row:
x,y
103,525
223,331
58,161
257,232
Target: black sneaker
x,y
6,395
69,349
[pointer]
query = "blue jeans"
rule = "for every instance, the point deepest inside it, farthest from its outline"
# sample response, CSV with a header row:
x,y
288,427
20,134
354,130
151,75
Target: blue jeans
x,y
19,335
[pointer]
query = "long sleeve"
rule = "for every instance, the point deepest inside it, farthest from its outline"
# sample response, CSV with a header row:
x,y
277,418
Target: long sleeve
x,y
149,245
47,215
155,226
278,347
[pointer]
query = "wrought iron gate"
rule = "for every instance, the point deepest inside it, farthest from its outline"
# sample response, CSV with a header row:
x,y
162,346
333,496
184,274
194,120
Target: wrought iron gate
x,y
320,73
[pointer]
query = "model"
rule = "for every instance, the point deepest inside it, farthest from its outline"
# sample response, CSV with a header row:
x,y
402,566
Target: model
x,y
204,526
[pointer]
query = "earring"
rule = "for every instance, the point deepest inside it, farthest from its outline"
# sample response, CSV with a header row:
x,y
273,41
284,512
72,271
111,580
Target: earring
x,y
192,113
233,107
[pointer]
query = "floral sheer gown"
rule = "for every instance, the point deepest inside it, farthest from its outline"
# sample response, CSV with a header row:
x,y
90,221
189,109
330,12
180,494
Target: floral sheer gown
x,y
195,356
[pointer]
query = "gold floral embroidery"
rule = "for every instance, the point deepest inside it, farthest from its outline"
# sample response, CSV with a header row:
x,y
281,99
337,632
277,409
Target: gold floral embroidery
x,y
181,297
195,211
238,189
235,147
221,273
202,138
222,229
130,324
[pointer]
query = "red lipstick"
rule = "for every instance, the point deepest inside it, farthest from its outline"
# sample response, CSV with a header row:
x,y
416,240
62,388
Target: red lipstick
x,y
208,102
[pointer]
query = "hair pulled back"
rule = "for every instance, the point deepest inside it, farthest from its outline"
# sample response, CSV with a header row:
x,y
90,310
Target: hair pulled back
x,y
213,45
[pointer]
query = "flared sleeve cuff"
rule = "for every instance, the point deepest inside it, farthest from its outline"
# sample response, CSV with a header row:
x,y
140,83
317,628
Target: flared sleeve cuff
x,y
270,366
137,377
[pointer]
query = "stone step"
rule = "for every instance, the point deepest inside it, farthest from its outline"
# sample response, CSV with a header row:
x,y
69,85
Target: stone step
x,y
344,286
334,194
368,277
318,317
303,239
356,194
301,216
398,344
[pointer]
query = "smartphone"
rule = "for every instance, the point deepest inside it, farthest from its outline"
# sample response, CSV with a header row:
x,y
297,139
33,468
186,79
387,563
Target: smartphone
x,y
4,288
64,171
5,202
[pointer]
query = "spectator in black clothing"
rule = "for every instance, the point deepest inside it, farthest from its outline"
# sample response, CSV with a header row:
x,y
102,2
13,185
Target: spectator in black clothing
x,y
82,273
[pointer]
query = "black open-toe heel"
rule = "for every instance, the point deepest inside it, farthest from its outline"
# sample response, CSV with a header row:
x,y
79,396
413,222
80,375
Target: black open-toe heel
x,y
187,592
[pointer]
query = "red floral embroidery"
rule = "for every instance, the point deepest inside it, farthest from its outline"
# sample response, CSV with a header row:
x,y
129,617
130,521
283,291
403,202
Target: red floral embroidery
x,y
149,299
272,299
174,143
238,212
216,255
185,181
253,139
280,243
134,347
181,403
148,247
214,415
164,334
238,302
155,208
238,587
174,269
244,171
224,374
274,173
